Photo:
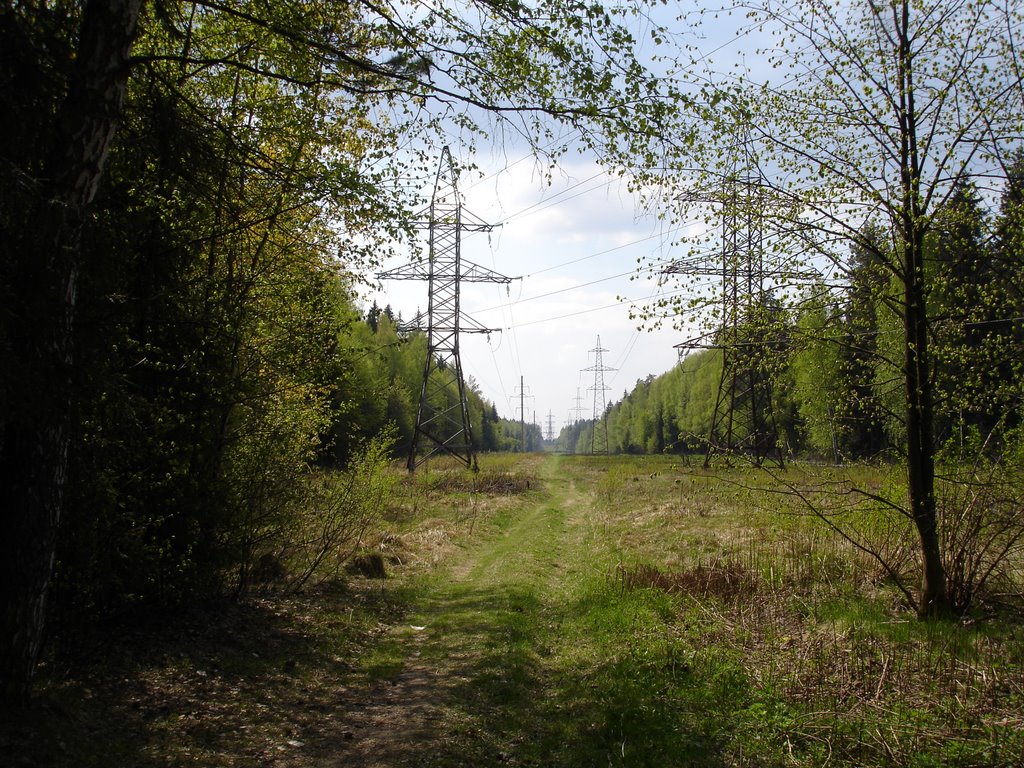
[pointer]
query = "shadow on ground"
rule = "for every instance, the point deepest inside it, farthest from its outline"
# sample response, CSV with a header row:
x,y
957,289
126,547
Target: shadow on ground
x,y
226,685
487,684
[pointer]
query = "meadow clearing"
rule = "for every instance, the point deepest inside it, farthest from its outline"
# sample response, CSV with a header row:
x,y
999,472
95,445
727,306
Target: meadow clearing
x,y
564,611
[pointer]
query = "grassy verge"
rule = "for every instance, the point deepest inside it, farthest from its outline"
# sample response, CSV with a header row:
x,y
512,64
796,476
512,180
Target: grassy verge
x,y
554,611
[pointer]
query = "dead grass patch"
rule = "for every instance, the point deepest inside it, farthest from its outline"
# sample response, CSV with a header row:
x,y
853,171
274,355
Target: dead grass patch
x,y
488,482
427,545
724,579
369,565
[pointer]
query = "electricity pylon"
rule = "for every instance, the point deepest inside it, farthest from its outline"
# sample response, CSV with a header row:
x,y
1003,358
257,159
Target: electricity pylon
x,y
575,416
521,410
577,409
441,421
743,418
599,437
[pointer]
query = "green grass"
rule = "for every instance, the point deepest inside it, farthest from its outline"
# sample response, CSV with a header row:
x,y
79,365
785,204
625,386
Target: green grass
x,y
563,667
565,611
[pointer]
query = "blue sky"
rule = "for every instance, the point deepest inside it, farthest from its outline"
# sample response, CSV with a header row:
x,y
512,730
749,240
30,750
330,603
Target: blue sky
x,y
576,244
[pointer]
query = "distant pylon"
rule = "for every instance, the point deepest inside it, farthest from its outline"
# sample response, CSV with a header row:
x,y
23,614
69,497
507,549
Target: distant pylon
x,y
599,437
577,409
521,410
443,423
550,434
575,417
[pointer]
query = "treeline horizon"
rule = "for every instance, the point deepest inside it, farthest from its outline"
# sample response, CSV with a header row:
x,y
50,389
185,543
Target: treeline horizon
x,y
829,365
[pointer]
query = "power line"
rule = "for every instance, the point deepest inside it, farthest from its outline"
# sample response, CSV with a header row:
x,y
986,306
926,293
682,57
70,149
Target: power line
x,y
543,205
605,252
598,309
656,267
599,435
630,346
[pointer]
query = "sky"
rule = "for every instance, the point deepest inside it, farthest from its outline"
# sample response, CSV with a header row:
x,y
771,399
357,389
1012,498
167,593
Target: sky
x,y
583,256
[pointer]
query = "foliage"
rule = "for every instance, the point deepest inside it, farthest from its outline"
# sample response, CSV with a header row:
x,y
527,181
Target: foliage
x,y
341,507
980,520
670,413
817,380
879,116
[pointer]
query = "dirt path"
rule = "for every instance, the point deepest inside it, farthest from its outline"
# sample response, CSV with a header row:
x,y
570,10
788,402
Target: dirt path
x,y
475,647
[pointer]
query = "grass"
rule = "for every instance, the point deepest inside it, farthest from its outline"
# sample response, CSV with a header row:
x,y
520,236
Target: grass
x,y
560,666
559,611
836,670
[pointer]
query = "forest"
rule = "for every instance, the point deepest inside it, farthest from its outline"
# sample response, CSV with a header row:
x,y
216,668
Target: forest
x,y
831,379
195,402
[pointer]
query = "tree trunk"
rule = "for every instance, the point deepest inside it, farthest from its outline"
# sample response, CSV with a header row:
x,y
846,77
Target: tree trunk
x,y
916,367
35,431
934,601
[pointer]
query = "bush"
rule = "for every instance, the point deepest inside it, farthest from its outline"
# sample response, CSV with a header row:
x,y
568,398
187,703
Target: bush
x,y
341,506
981,519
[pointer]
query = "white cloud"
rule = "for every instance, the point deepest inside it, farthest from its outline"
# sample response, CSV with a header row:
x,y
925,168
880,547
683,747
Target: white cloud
x,y
575,243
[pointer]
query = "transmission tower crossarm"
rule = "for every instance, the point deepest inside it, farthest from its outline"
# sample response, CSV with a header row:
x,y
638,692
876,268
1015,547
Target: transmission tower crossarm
x,y
704,341
473,223
701,265
468,273
474,273
416,324
469,325
416,270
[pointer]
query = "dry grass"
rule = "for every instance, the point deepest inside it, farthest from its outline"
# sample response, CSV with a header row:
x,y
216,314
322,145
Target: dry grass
x,y
842,671
726,580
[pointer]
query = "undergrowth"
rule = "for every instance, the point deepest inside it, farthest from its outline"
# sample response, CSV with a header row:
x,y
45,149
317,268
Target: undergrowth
x,y
569,611
839,671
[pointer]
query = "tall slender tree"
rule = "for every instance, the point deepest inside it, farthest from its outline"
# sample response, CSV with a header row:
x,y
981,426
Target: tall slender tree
x,y
874,110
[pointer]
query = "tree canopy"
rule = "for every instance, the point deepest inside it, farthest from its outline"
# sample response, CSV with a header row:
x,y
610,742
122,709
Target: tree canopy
x,y
188,193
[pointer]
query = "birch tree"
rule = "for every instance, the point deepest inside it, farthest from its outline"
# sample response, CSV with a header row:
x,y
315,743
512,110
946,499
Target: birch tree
x,y
872,111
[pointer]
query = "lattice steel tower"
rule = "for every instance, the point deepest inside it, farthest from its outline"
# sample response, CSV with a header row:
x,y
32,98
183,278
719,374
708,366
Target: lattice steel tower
x,y
577,410
442,422
743,419
599,437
